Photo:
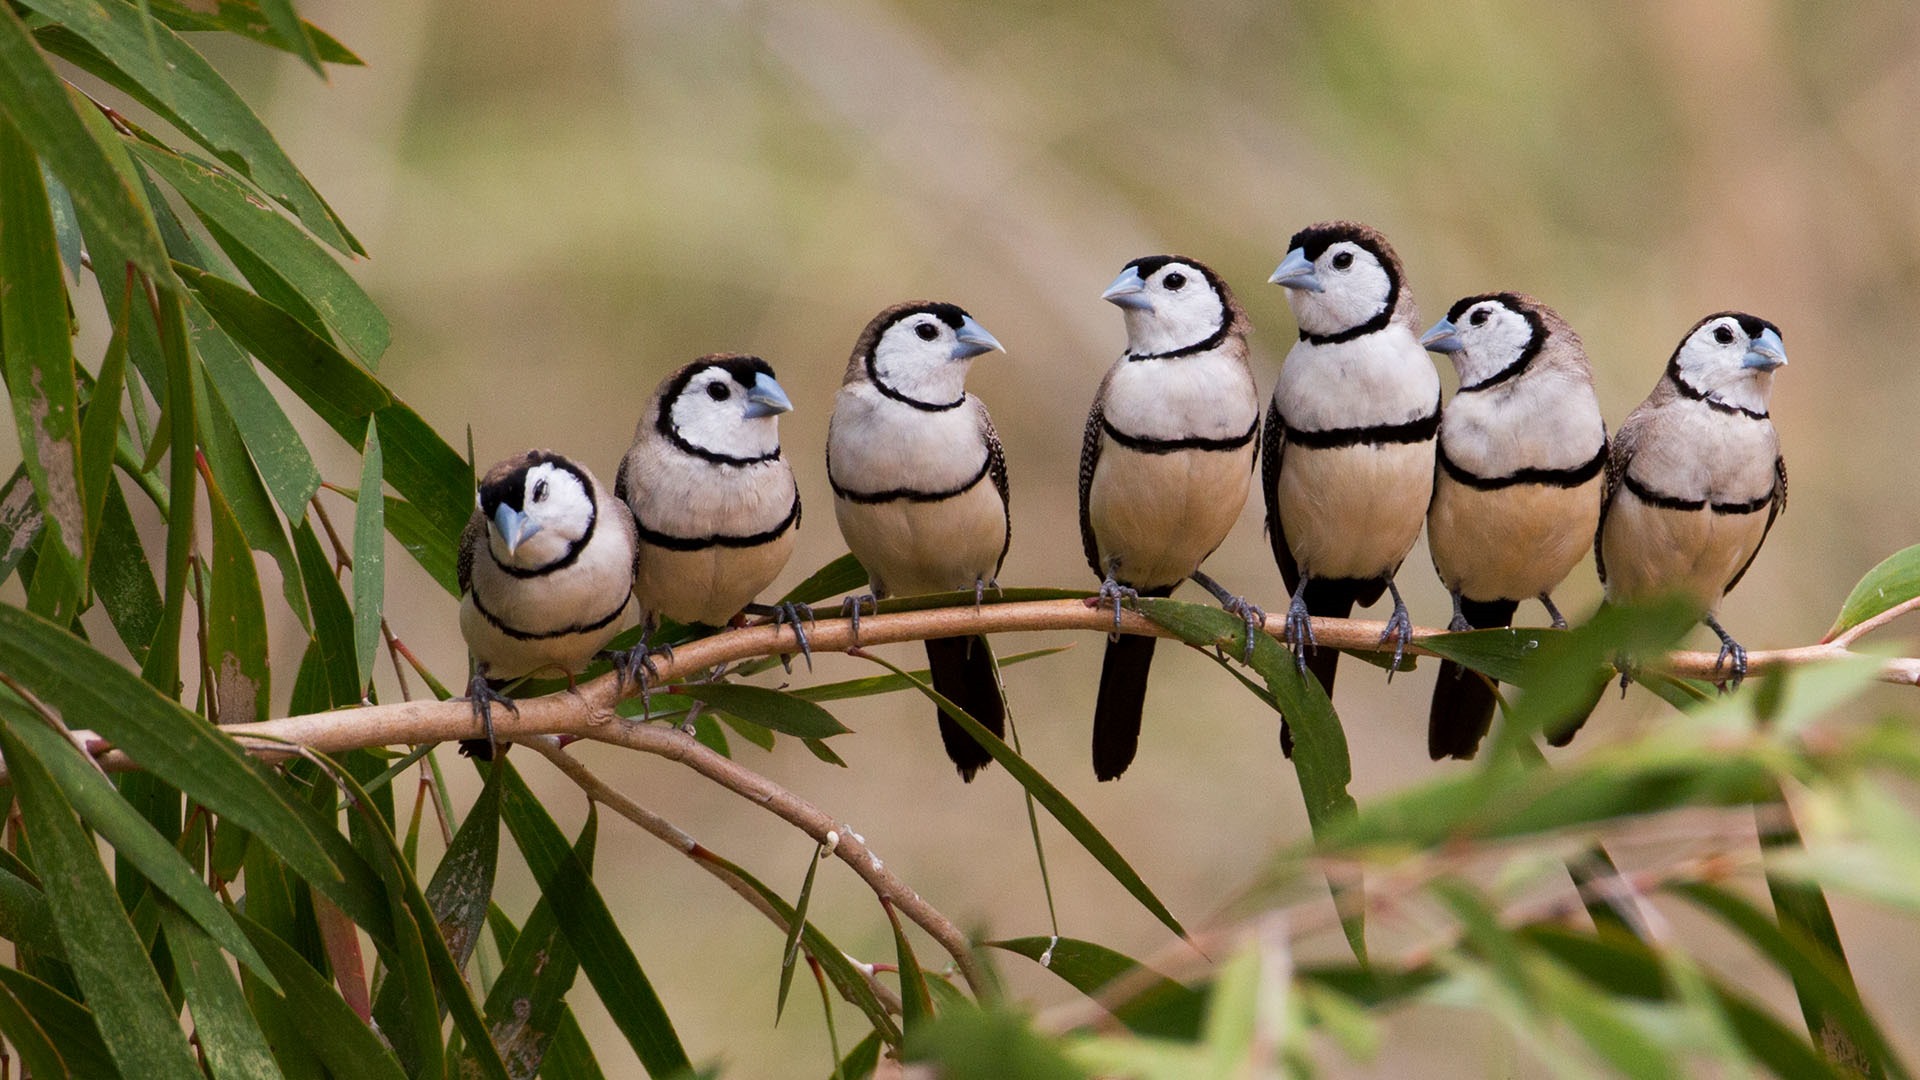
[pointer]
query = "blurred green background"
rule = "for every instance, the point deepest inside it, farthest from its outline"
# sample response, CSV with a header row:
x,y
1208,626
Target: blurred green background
x,y
564,202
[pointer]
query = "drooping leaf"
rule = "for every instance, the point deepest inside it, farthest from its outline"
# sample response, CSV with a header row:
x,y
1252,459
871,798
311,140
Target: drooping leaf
x,y
1149,1002
245,19
462,885
887,684
35,100
527,1007
842,575
122,578
426,471
151,62
1892,583
916,1001
291,32
774,709
588,924
790,951
66,1022
332,619
1068,815
236,619
39,1055
20,520
122,989
990,1045
429,546
247,498
223,1026
329,1030
100,430
369,558
162,666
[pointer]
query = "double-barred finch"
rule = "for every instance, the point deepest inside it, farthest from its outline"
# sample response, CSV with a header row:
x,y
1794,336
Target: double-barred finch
x,y
1348,455
1164,467
546,576
1521,450
920,489
1695,477
712,498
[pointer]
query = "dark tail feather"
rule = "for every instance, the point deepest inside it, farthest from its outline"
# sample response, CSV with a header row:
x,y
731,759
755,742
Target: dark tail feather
x,y
1463,700
1116,714
962,670
1327,599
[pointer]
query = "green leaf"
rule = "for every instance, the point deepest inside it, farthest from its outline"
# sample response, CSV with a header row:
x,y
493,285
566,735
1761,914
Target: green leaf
x,y
286,258
527,1008
990,1045
1152,1004
245,19
328,1028
151,62
429,546
247,497
916,1001
773,709
25,918
1892,583
276,447
66,1022
162,666
179,748
35,100
588,924
1320,756
1050,797
20,520
462,885
862,1060
842,575
291,32
124,992
89,792
790,952
100,430
40,374
223,1026
38,1055
332,618
887,684
122,578
369,560
426,471
236,619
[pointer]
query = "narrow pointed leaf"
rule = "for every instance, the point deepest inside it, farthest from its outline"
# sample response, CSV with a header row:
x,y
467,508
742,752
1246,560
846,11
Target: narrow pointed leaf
x,y
223,1026
526,1008
247,498
1153,1004
20,520
291,32
332,618
426,471
100,429
286,468
842,575
122,578
1892,583
887,684
65,1021
790,952
429,546
26,1037
236,619
773,709
588,924
916,1001
162,665
462,885
111,965
369,560
35,100
1050,797
245,19
329,1028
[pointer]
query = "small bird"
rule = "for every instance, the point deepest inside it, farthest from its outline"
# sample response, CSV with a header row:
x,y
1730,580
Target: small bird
x,y
1164,467
1521,449
546,577
1347,458
920,490
1695,478
713,499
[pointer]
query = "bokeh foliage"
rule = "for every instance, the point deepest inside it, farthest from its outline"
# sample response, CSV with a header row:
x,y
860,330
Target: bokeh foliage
x,y
227,931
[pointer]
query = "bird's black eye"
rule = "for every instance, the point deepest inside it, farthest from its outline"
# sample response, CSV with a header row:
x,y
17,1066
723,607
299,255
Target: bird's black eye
x,y
718,391
1723,335
539,491
1479,317
927,331
1174,280
1342,260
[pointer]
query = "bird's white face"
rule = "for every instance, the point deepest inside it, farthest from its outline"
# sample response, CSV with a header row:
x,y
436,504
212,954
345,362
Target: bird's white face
x,y
1731,359
925,355
1168,305
1347,286
554,511
719,413
1492,336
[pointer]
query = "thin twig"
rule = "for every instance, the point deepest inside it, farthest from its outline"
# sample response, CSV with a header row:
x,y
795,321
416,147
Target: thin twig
x,y
1864,627
680,840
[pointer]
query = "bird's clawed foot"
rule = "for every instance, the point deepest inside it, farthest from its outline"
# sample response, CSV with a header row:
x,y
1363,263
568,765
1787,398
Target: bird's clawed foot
x,y
1459,623
850,611
1559,620
484,697
1250,613
790,613
1623,664
636,666
1732,659
1399,630
1112,592
980,587
1300,627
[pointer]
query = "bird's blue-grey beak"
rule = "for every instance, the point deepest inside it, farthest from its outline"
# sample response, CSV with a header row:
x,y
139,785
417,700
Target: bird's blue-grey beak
x,y
972,340
514,527
766,398
1128,291
1444,337
1766,353
1296,272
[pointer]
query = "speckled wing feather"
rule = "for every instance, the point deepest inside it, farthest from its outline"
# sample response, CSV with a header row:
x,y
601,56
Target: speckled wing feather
x,y
1273,443
1089,459
471,537
997,470
1619,458
1774,510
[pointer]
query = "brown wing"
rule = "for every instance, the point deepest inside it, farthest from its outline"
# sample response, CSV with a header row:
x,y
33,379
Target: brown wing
x,y
997,469
1619,458
1773,511
1089,459
471,538
1273,443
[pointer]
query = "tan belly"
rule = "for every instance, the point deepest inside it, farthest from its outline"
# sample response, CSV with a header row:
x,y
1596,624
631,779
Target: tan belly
x,y
1354,511
1161,514
1652,552
1511,543
710,585
509,657
922,547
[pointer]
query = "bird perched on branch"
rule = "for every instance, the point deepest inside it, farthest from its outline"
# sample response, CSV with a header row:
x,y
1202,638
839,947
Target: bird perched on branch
x,y
1164,467
712,498
1348,455
1695,478
546,577
920,490
1521,449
